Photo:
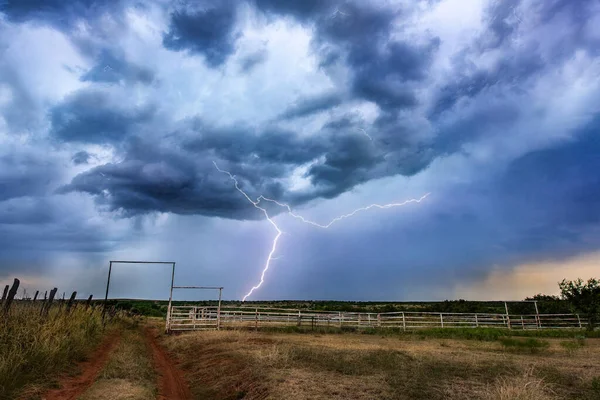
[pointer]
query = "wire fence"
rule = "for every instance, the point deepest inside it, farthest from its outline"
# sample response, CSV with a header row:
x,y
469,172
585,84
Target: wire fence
x,y
182,318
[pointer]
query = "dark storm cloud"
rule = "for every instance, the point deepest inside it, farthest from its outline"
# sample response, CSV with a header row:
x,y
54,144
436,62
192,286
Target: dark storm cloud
x,y
81,157
346,165
89,117
61,14
26,173
302,10
183,180
384,69
112,69
208,31
311,105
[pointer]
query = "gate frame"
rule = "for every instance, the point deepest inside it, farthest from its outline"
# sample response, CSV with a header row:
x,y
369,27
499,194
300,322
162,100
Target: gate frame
x,y
110,264
219,288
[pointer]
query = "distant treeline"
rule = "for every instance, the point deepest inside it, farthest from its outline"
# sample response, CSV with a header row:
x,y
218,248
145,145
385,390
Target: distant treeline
x,y
546,305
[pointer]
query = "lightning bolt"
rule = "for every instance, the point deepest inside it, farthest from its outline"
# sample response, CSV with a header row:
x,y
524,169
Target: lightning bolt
x,y
279,232
301,218
366,134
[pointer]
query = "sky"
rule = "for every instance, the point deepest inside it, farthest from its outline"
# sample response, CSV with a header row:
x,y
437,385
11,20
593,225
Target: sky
x,y
114,115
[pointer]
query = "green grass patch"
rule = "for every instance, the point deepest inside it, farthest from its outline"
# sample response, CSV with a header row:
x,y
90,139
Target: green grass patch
x,y
529,345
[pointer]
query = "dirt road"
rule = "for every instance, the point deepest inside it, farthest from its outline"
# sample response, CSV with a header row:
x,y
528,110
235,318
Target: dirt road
x,y
171,383
71,387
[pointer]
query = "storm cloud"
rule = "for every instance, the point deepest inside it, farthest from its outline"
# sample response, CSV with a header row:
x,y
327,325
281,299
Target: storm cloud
x,y
121,110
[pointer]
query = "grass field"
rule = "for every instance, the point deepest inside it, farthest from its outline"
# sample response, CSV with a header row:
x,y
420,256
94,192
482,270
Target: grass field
x,y
34,350
275,365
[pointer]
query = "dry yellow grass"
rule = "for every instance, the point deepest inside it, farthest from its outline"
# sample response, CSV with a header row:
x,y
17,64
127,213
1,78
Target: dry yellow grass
x,y
35,349
260,365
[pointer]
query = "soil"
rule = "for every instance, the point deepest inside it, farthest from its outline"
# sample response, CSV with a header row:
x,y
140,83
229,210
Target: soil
x,y
171,383
72,387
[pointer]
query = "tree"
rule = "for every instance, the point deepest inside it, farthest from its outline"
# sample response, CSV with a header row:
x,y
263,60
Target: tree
x,y
583,297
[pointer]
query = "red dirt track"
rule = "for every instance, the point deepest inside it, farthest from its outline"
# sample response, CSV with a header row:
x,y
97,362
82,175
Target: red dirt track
x,y
73,387
171,383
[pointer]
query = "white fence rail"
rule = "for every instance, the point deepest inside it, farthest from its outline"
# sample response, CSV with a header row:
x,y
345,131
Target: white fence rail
x,y
184,318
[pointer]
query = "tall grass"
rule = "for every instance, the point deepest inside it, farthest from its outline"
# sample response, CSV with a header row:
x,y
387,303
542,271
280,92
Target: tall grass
x,y
35,349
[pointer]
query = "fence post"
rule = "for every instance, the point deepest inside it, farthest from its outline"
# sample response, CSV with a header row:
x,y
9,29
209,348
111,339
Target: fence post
x,y
579,321
340,318
256,318
358,321
507,316
442,319
522,323
88,302
11,295
71,301
538,323
4,294
299,318
476,322
379,320
219,310
403,321
36,295
46,305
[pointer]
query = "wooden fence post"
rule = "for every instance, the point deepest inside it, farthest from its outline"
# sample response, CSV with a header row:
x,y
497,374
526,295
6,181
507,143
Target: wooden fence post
x,y
71,301
46,306
11,295
36,295
5,293
88,302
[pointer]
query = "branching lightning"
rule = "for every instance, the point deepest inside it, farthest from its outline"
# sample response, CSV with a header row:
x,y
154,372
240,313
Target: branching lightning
x,y
279,232
301,218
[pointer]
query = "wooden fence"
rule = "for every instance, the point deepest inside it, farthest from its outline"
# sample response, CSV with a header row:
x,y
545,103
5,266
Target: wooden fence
x,y
9,296
182,318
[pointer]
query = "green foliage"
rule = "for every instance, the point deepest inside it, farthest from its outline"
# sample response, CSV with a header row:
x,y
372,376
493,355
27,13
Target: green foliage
x,y
596,385
572,345
583,297
529,345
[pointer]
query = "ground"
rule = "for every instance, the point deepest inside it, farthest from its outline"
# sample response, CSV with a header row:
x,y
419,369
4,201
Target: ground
x,y
140,362
262,365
